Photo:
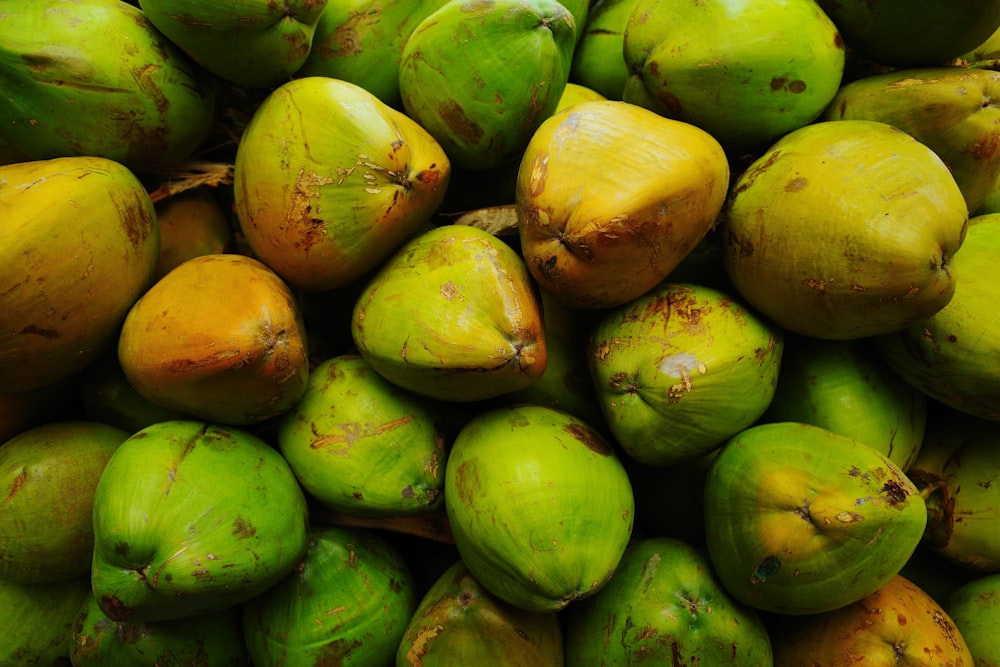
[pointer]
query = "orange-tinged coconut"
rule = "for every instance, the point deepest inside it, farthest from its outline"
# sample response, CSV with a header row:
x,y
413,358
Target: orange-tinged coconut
x,y
221,338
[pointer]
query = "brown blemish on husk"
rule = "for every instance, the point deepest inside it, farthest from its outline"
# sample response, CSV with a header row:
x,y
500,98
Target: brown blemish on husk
x,y
17,485
589,438
467,483
948,629
136,223
354,431
751,174
33,330
114,608
243,529
796,184
459,122
895,492
782,83
300,209
421,644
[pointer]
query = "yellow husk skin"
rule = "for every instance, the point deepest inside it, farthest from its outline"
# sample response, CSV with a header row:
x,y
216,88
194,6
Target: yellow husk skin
x,y
79,242
844,229
611,197
899,624
948,109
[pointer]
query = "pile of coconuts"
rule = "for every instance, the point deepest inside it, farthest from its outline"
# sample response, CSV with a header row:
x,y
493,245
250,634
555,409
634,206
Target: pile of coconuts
x,y
500,332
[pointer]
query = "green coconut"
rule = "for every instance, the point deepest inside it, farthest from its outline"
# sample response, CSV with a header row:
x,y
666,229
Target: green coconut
x,y
251,43
663,606
452,315
329,180
348,602
38,621
953,356
459,622
844,229
540,506
79,243
96,78
913,33
481,76
681,369
50,475
192,518
746,72
801,520
361,445
958,473
845,387
206,639
974,608
598,60
948,109
361,41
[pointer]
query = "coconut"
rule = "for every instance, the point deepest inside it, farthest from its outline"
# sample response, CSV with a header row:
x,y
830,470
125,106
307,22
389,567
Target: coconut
x,y
844,229
192,518
452,315
347,602
95,78
329,181
540,506
458,621
592,243
252,43
79,242
746,72
801,520
483,93
953,356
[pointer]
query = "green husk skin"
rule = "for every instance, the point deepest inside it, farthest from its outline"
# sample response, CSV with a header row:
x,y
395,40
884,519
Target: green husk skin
x,y
95,78
254,44
347,603
974,608
79,242
38,621
361,41
828,526
452,315
598,61
951,110
459,622
746,72
481,76
49,474
954,355
214,639
361,445
540,506
845,387
191,518
664,605
681,369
